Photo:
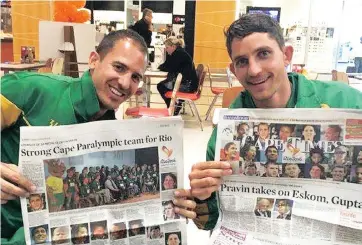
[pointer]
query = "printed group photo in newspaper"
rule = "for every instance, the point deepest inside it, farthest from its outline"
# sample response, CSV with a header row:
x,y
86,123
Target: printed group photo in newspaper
x,y
97,184
297,177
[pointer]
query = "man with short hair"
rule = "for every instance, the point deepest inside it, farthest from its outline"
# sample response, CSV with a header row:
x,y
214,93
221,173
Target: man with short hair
x,y
259,56
333,133
292,170
71,190
34,99
359,174
262,208
144,26
339,173
284,210
271,170
35,202
263,132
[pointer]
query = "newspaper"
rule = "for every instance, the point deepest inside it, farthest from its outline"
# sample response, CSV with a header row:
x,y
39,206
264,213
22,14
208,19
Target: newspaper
x,y
311,164
108,182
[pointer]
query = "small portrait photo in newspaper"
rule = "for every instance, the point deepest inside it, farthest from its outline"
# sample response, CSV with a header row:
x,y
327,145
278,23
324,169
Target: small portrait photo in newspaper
x,y
264,207
118,231
356,172
60,235
99,230
136,228
80,233
154,232
169,211
36,202
169,181
230,152
39,234
244,133
283,209
173,238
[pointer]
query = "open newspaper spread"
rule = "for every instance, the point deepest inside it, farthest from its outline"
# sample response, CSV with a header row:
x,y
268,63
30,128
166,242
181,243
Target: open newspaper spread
x,y
108,182
297,177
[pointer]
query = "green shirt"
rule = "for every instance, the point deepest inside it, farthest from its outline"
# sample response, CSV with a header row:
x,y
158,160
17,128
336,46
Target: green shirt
x,y
95,186
35,99
305,94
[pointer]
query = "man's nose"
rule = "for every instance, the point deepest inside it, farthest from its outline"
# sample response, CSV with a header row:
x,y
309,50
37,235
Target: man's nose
x,y
125,81
254,68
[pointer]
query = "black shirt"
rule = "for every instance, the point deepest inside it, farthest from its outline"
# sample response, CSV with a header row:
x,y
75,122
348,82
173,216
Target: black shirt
x,y
141,27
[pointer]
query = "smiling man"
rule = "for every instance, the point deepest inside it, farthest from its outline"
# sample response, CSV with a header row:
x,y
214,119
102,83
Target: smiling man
x,y
259,58
34,99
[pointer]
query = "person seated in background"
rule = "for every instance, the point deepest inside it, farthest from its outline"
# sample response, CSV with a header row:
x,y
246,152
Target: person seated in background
x,y
177,61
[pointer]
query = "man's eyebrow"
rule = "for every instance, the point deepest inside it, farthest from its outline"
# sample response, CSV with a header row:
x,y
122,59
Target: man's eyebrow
x,y
262,48
122,64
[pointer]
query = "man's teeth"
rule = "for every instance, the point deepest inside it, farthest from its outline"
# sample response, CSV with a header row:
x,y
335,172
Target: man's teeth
x,y
116,92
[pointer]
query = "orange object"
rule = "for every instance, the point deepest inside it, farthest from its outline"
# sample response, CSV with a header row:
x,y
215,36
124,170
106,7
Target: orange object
x,y
83,15
78,4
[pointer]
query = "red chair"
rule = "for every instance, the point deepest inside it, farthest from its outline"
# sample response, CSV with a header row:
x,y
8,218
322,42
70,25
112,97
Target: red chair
x,y
217,91
157,112
190,98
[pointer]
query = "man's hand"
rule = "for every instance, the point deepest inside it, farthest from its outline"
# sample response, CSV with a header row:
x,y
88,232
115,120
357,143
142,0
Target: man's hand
x,y
185,205
9,179
206,177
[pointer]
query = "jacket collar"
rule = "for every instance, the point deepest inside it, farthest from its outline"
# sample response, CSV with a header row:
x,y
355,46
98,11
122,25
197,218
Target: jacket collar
x,y
85,100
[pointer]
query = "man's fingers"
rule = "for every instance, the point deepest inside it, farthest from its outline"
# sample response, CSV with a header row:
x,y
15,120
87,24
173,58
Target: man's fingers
x,y
182,193
7,196
205,182
204,193
211,165
216,173
186,213
184,203
10,172
12,189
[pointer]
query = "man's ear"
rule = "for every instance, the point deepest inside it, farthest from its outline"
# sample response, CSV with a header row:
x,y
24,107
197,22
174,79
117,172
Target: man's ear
x,y
94,58
288,54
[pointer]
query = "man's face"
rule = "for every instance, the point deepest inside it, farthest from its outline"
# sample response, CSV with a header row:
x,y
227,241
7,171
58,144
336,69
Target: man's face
x,y
272,170
263,131
60,233
136,228
338,174
316,158
359,175
331,134
232,151
359,158
169,213
259,64
173,240
155,233
340,155
284,133
243,129
36,203
117,76
98,231
250,155
263,205
315,172
272,154
292,170
250,171
148,18
82,232
40,235
283,207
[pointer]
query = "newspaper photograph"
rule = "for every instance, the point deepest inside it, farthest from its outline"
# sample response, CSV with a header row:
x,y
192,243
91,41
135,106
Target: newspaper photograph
x,y
107,182
297,177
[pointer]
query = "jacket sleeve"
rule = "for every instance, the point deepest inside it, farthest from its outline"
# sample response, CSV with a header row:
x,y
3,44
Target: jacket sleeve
x,y
13,99
207,211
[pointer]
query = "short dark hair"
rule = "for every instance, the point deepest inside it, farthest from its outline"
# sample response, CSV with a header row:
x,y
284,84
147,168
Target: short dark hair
x,y
269,147
109,41
228,145
317,150
250,23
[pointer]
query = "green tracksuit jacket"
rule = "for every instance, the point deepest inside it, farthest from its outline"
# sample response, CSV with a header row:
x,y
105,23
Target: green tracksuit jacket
x,y
34,99
305,94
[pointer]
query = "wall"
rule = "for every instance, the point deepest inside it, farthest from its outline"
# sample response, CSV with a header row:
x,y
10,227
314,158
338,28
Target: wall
x,y
25,18
210,20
